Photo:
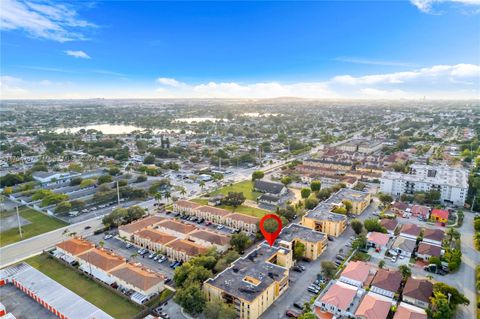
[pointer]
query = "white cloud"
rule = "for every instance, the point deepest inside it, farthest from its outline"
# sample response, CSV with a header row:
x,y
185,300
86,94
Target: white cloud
x,y
431,73
11,87
427,5
77,54
372,62
47,20
170,82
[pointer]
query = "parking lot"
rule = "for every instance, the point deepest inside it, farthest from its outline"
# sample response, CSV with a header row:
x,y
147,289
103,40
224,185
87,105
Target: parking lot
x,y
119,247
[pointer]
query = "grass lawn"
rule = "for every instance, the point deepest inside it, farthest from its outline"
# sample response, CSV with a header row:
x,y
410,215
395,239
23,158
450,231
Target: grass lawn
x,y
246,187
39,224
83,286
243,209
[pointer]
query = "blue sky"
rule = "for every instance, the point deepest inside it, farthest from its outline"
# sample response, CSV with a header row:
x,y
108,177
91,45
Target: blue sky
x,y
338,49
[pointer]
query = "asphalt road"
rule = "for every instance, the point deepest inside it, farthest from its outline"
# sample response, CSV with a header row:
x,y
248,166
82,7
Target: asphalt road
x,y
33,246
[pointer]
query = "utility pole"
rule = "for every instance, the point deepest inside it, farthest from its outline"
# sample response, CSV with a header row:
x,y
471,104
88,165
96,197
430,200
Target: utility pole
x,y
118,194
19,225
219,163
473,203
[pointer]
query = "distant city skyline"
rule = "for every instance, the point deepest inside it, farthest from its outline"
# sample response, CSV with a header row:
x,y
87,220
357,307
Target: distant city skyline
x,y
121,49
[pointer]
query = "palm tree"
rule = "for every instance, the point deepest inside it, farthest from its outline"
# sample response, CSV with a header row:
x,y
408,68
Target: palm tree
x,y
167,196
158,196
101,243
202,185
183,191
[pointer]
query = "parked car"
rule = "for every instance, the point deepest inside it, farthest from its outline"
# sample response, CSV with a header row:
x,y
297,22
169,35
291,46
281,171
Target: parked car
x,y
87,227
298,306
297,269
330,238
128,245
292,314
220,227
108,236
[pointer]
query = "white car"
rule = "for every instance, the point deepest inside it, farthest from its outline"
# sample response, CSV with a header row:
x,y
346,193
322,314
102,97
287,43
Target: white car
x,y
108,236
220,227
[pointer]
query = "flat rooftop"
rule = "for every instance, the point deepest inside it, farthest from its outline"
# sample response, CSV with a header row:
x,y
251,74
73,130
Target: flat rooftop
x,y
298,231
64,300
255,266
444,175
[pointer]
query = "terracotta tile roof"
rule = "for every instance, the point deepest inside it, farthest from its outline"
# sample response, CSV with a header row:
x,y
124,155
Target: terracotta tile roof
x,y
388,223
155,236
357,270
378,238
419,289
389,280
76,246
407,311
187,204
440,213
323,315
420,210
400,205
211,237
411,229
214,210
138,276
177,226
430,250
374,306
433,234
188,247
141,223
102,259
339,295
244,218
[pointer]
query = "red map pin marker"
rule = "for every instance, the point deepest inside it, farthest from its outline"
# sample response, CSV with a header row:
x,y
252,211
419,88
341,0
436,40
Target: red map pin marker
x,y
270,237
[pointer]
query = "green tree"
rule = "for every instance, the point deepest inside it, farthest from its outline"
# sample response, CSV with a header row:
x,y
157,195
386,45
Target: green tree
x,y
285,180
456,298
340,210
386,199
234,199
217,309
240,242
357,226
191,298
405,271
381,264
373,224
298,251
305,192
113,171
63,207
257,175
86,183
149,159
226,260
348,205
315,186
104,179
328,269
76,181
311,203
440,308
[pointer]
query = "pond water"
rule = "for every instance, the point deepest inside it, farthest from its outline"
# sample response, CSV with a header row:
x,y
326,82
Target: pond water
x,y
254,114
114,129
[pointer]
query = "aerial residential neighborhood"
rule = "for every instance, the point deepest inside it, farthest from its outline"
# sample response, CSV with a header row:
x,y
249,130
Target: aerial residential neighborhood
x,y
239,159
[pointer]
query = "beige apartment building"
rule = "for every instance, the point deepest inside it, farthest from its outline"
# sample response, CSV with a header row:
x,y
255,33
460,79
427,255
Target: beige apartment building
x,y
315,242
252,283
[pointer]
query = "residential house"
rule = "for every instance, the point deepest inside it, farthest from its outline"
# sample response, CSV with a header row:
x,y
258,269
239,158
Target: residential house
x,y
386,282
269,200
70,249
378,240
338,300
374,306
99,262
433,236
174,228
209,239
439,215
357,273
243,222
418,292
390,225
411,231
420,211
407,311
142,280
183,250
127,231
425,251
404,246
268,187
400,208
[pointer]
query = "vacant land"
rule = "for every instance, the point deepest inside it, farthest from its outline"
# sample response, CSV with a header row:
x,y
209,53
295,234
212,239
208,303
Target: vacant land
x,y
85,287
39,224
243,209
246,187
